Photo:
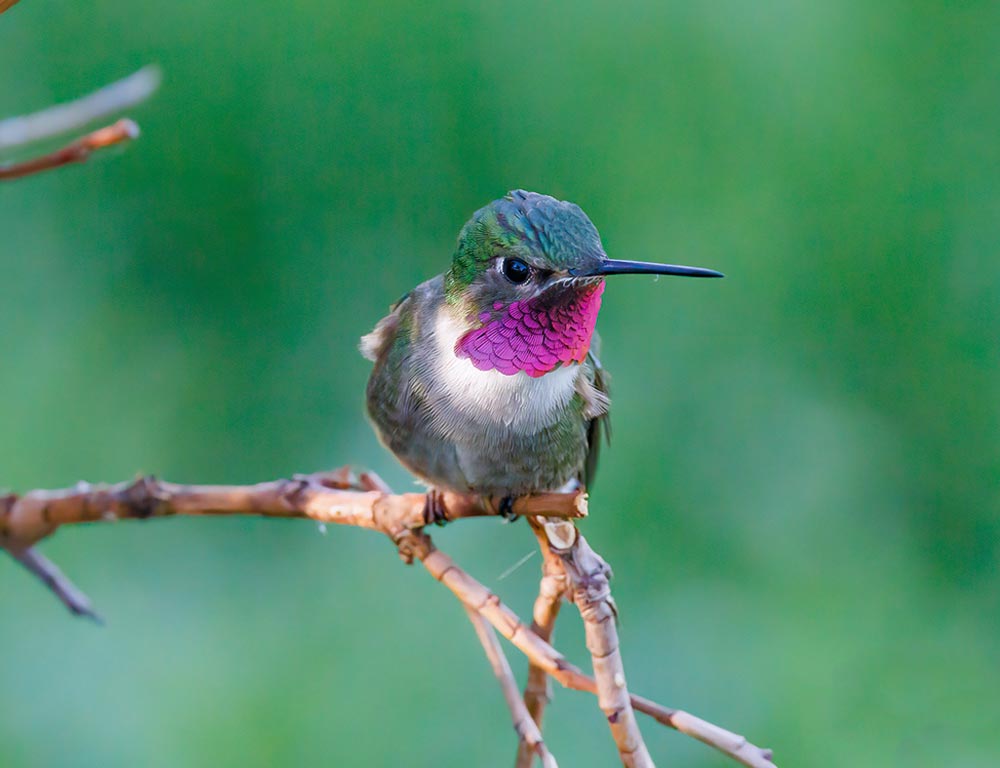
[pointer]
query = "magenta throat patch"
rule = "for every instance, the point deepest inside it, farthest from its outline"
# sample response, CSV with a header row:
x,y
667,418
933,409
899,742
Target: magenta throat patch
x,y
533,337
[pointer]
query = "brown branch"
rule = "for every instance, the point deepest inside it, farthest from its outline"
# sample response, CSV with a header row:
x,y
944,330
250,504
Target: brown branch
x,y
76,115
324,497
732,744
588,576
473,594
551,590
6,5
343,498
529,735
75,152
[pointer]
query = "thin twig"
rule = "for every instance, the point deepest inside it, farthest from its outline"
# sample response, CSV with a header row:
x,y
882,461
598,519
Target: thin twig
x,y
551,590
75,152
50,575
78,114
588,576
732,744
527,731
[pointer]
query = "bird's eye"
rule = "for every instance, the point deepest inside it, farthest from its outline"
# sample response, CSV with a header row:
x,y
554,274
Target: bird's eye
x,y
515,270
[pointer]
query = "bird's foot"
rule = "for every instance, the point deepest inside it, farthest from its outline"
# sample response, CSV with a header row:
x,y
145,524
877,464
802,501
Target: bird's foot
x,y
506,509
434,508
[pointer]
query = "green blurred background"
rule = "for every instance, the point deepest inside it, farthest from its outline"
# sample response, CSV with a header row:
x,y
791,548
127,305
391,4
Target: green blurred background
x,y
800,501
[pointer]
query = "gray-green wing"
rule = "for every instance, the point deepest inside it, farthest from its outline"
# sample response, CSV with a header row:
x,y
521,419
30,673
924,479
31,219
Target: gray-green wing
x,y
600,424
389,386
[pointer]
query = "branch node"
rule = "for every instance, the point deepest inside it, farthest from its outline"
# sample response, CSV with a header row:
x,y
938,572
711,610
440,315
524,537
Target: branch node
x,y
143,498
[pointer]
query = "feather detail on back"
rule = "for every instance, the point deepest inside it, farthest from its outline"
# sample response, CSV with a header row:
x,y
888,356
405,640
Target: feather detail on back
x,y
374,344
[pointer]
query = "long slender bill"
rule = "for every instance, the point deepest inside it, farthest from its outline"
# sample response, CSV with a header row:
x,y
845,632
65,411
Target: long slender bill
x,y
625,267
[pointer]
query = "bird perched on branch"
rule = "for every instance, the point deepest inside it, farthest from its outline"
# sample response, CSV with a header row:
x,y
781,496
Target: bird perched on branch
x,y
485,380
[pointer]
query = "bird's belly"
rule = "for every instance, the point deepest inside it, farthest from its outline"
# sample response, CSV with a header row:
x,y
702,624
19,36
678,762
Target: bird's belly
x,y
511,434
517,464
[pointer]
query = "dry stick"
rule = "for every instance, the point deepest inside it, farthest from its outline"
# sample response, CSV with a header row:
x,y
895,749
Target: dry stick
x,y
529,735
76,115
589,584
734,745
26,519
324,497
551,590
418,545
527,731
75,152
50,575
7,5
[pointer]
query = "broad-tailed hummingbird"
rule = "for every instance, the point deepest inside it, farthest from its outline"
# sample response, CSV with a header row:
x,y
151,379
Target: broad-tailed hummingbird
x,y
485,377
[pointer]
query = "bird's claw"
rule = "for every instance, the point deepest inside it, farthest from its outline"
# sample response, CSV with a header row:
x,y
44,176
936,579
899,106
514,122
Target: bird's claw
x,y
506,509
434,508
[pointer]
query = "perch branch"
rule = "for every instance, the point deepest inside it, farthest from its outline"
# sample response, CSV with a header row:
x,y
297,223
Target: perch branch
x,y
75,152
328,497
78,114
530,737
324,497
6,5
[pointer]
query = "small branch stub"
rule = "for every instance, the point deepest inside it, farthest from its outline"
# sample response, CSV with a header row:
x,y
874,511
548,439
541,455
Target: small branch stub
x,y
76,152
77,115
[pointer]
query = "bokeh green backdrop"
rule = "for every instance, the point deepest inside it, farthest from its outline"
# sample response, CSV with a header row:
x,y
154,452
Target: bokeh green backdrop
x,y
800,501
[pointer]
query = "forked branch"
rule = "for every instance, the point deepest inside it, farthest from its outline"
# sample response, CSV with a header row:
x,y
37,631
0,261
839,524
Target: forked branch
x,y
474,595
341,497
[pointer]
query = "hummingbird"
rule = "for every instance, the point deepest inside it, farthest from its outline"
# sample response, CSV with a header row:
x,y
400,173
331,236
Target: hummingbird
x,y
486,378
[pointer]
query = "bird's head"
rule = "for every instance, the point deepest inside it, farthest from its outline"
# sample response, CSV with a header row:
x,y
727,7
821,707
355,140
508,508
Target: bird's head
x,y
527,278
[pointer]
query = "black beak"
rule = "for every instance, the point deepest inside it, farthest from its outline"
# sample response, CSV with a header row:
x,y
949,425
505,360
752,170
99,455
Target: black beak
x,y
623,267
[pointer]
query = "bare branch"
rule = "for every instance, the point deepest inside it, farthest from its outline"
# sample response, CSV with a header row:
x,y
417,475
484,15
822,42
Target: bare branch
x,y
324,497
589,584
25,520
50,575
530,737
364,501
551,590
473,594
78,114
75,152
6,5
734,745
